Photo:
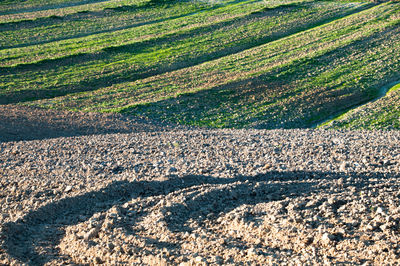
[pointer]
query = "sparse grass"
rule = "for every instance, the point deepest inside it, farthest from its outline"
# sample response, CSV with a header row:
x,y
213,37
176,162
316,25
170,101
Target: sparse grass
x,y
214,37
292,82
81,24
381,114
40,9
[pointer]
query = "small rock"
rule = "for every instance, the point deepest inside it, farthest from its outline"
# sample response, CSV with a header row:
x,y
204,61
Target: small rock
x,y
91,234
343,167
327,238
199,259
384,227
308,240
267,166
68,189
370,227
251,252
379,210
110,246
98,260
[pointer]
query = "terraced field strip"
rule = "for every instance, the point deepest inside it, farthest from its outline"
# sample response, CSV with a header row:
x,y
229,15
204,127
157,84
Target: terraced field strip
x,y
85,23
96,42
202,37
56,8
383,113
14,7
292,82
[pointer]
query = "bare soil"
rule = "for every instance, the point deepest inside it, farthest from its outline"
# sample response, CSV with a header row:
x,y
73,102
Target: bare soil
x,y
29,123
73,192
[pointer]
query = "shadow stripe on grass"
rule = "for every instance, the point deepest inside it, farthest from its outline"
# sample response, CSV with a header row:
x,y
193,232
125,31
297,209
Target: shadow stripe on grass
x,y
49,7
127,75
230,104
82,15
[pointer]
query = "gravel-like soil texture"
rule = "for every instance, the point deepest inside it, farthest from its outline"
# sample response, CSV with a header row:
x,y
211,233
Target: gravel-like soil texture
x,y
202,197
29,123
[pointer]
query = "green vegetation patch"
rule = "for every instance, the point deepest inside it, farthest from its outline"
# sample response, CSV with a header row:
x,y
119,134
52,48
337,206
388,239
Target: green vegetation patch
x,y
295,81
383,113
212,36
231,63
80,24
16,11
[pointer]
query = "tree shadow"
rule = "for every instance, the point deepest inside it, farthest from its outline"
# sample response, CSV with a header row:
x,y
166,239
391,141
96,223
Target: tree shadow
x,y
42,228
49,7
272,89
142,47
54,20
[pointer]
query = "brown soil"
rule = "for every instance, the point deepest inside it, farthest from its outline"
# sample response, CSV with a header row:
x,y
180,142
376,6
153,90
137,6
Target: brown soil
x,y
29,123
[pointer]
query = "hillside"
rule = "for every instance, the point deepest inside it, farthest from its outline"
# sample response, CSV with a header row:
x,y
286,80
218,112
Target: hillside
x,y
155,132
383,113
259,64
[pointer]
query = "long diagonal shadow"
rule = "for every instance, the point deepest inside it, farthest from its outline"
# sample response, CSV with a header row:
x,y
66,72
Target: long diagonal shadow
x,y
49,7
126,75
42,228
157,41
90,14
21,237
274,86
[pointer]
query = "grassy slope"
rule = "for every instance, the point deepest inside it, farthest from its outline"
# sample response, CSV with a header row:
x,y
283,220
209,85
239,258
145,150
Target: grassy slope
x,y
231,64
163,23
208,35
15,11
12,6
292,82
81,24
381,114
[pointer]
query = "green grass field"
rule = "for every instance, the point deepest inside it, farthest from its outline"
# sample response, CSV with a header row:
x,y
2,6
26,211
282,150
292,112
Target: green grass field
x,y
262,64
382,114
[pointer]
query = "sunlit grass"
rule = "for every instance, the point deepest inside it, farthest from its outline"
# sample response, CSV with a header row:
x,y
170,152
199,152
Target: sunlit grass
x,y
383,113
292,82
263,64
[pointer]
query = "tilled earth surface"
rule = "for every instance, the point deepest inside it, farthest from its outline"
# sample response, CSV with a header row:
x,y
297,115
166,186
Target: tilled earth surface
x,y
29,123
202,197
